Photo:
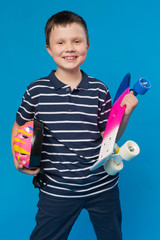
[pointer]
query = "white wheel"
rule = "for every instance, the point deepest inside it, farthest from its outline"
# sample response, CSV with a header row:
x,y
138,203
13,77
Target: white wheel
x,y
111,167
129,150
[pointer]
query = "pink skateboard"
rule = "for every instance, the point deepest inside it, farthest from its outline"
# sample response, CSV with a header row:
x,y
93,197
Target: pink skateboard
x,y
115,117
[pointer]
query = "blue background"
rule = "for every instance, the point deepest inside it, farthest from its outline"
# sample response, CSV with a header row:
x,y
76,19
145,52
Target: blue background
x,y
124,37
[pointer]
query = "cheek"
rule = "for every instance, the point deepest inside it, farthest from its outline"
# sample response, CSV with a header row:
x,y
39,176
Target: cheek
x,y
83,51
56,55
56,52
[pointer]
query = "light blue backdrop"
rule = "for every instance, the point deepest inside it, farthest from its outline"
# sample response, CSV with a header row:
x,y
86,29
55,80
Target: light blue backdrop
x,y
124,37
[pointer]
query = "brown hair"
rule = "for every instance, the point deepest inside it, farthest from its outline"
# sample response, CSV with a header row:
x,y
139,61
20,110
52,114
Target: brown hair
x,y
64,18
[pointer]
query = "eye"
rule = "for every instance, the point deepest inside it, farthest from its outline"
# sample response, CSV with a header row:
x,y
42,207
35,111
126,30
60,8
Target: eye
x,y
60,43
77,41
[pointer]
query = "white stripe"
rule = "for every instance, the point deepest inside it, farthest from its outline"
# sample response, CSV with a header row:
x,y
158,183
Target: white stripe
x,y
59,162
50,136
85,149
75,149
66,162
26,119
78,178
42,80
70,154
99,82
66,86
26,110
67,170
80,113
101,100
30,104
97,89
68,122
59,188
27,91
105,112
73,131
53,144
95,156
64,95
88,97
76,140
106,120
68,103
60,154
51,94
41,86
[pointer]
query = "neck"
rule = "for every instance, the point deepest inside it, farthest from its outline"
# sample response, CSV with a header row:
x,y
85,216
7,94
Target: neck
x,y
72,78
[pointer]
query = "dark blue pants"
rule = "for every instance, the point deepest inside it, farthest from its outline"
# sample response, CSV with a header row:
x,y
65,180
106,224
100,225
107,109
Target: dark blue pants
x,y
56,216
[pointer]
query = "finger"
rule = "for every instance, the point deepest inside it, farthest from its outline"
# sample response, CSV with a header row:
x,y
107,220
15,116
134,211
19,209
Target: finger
x,y
33,172
131,92
23,169
124,100
19,166
122,103
129,100
36,171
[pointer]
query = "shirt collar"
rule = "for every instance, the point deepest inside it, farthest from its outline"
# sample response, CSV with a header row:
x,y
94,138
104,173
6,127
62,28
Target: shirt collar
x,y
84,84
55,81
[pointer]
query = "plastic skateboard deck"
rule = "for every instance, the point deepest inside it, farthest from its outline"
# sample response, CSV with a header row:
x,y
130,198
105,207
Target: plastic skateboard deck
x,y
114,121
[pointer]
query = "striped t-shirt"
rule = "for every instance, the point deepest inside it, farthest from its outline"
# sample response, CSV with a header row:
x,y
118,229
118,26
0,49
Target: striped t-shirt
x,y
73,122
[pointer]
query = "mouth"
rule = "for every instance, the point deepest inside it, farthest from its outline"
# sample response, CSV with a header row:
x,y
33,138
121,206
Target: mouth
x,y
70,58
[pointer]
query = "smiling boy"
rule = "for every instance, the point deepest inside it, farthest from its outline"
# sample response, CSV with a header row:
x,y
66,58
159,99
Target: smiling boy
x,y
68,47
74,109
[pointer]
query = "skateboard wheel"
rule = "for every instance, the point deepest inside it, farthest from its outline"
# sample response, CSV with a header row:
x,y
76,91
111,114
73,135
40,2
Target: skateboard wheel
x,y
129,150
112,168
141,86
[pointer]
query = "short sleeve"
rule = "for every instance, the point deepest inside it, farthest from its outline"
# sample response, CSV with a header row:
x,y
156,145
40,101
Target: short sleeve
x,y
26,110
104,109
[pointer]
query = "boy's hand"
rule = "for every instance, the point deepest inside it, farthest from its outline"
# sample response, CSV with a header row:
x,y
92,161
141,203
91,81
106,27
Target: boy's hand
x,y
22,169
131,102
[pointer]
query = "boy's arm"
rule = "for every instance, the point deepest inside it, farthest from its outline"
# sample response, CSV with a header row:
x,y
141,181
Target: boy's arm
x,y
131,102
19,166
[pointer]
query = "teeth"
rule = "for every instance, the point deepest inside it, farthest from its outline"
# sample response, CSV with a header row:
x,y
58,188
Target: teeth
x,y
70,58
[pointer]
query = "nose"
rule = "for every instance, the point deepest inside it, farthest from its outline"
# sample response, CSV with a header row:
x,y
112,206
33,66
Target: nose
x,y
69,47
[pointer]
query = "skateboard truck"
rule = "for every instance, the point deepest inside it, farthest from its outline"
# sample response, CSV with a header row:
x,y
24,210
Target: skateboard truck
x,y
128,151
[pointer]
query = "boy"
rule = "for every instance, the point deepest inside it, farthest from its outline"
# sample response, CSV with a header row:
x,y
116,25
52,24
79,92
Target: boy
x,y
74,109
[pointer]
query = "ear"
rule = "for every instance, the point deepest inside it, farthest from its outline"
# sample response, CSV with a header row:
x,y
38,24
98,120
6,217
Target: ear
x,y
49,50
88,45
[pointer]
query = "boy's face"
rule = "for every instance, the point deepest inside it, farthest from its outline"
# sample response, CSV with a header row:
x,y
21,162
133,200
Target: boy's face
x,y
68,46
